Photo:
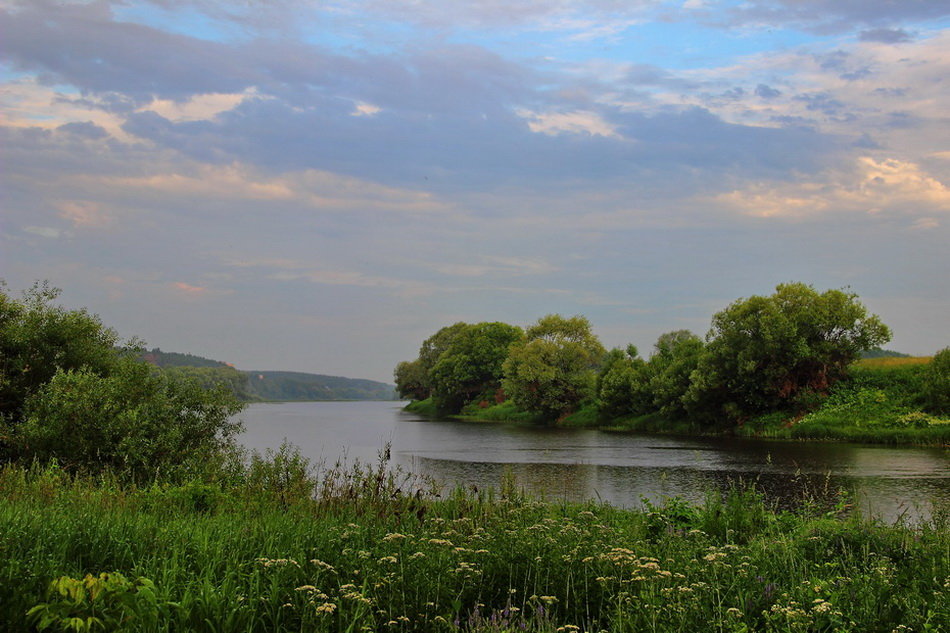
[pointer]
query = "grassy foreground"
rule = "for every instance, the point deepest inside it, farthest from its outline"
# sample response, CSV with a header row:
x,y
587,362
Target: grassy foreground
x,y
361,552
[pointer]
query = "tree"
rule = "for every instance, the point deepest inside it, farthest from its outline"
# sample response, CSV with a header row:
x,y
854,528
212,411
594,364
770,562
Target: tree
x,y
37,338
675,358
67,391
554,367
622,384
411,380
936,383
471,364
137,421
765,353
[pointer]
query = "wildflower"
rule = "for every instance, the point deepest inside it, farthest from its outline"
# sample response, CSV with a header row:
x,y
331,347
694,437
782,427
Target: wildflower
x,y
548,600
391,560
734,612
319,563
326,608
394,536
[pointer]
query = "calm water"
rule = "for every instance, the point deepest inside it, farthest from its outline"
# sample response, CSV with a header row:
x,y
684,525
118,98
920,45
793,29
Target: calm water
x,y
576,464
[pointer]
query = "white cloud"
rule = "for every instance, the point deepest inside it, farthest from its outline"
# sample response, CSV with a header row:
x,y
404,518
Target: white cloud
x,y
888,186
310,188
577,122
365,109
200,107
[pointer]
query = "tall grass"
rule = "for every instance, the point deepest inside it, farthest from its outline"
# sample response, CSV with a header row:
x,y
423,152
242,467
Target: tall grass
x,y
357,551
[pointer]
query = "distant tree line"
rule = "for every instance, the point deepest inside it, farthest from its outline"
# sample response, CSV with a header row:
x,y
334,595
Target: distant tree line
x,y
763,353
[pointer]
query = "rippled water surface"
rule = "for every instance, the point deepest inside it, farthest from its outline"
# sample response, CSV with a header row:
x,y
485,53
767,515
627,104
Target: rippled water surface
x,y
577,464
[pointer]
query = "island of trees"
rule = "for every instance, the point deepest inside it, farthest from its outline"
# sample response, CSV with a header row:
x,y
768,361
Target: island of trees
x,y
788,365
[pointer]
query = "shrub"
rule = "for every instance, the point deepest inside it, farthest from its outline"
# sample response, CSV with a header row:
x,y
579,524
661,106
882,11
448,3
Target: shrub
x,y
936,383
138,422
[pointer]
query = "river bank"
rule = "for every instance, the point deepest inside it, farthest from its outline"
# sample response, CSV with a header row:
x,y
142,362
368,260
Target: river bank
x,y
877,404
352,551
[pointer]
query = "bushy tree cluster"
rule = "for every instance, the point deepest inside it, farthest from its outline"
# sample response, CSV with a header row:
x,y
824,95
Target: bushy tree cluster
x,y
70,392
763,353
458,364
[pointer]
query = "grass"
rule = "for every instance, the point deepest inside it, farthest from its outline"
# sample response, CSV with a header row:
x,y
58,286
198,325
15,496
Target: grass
x,y
879,403
892,361
384,559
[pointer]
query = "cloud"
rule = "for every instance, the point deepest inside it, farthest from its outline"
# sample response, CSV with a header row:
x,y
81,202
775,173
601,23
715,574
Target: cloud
x,y
84,213
885,36
190,290
553,123
498,266
888,187
309,188
199,107
366,109
827,16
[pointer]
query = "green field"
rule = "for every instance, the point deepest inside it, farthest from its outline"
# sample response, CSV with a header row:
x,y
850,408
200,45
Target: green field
x,y
365,554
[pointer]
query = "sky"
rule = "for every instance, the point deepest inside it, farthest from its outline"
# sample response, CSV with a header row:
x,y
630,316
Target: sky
x,y
320,185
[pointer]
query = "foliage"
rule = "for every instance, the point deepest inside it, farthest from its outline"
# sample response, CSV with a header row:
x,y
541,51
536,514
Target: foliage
x,y
877,403
107,602
288,386
622,384
39,338
554,367
471,364
674,360
372,557
215,377
411,380
765,353
433,347
70,394
936,383
136,421
877,352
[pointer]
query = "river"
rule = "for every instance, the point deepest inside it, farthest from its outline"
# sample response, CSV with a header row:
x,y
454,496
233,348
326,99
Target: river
x,y
579,464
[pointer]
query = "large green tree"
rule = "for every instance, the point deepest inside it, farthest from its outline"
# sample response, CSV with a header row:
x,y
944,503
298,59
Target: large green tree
x,y
554,367
411,380
766,353
69,391
622,384
936,383
39,338
471,365
676,356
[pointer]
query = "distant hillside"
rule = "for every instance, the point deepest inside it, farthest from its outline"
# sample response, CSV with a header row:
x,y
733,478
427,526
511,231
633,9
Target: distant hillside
x,y
173,359
882,353
292,385
271,385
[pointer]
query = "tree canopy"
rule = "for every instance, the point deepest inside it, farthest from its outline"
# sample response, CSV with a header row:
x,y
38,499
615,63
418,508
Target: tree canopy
x,y
69,391
763,352
554,367
471,364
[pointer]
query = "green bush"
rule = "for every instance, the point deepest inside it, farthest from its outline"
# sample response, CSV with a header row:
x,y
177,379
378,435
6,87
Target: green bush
x,y
136,422
936,383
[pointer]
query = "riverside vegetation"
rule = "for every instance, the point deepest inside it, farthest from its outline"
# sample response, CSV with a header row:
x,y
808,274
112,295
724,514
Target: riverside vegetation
x,y
126,506
356,549
785,366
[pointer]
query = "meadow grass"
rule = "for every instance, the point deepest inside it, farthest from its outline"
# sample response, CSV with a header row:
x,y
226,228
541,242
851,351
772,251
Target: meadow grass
x,y
361,550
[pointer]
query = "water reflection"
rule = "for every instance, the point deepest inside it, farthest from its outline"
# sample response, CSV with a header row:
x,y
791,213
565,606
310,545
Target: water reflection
x,y
578,465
